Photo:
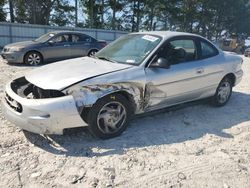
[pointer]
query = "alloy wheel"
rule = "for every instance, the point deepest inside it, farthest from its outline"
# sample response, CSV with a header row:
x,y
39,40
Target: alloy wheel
x,y
224,92
111,117
34,59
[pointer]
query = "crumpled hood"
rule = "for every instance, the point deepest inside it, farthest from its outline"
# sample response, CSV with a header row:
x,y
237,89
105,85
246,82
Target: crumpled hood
x,y
21,44
62,74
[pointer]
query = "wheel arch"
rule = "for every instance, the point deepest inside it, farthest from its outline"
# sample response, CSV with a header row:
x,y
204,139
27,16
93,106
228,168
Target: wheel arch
x,y
125,94
91,50
85,110
37,51
231,76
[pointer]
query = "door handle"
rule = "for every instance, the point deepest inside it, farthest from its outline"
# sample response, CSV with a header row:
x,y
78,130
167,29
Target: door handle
x,y
199,70
66,45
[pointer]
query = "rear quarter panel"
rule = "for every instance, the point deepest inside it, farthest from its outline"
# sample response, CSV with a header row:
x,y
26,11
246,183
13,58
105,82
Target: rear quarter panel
x,y
232,63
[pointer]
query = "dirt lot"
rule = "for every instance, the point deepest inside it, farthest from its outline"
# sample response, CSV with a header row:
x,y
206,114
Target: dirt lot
x,y
194,145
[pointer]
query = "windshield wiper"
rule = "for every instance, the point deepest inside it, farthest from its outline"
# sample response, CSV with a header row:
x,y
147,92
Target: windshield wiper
x,y
106,58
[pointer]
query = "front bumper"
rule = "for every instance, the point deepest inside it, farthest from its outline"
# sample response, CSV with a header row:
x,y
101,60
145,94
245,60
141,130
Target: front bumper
x,y
13,57
42,116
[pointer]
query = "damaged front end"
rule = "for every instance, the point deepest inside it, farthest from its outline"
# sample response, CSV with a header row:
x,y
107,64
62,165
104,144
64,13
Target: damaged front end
x,y
27,90
48,111
37,110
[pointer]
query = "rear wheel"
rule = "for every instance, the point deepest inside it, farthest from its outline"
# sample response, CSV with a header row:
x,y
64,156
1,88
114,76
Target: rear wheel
x,y
33,58
92,52
108,118
223,92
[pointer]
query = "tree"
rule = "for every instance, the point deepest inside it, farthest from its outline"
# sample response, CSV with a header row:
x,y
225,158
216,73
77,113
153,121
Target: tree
x,y
206,17
63,13
40,12
2,12
92,10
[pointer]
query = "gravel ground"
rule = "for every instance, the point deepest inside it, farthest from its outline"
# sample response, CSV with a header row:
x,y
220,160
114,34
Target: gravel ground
x,y
194,145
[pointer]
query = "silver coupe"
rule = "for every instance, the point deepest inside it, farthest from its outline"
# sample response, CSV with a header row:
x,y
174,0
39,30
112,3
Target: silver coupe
x,y
139,72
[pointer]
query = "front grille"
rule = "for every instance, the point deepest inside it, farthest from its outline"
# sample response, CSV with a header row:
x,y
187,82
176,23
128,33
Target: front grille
x,y
13,103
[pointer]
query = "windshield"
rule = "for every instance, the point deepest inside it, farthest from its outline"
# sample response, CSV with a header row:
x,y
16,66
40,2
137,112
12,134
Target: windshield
x,y
129,49
45,37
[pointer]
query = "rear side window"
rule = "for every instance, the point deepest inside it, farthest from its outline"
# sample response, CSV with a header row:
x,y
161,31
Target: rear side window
x,y
85,38
207,50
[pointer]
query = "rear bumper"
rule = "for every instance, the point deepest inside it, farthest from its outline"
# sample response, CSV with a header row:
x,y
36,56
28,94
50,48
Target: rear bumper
x,y
42,116
13,57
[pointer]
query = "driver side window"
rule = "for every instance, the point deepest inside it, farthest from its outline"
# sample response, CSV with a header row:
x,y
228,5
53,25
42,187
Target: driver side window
x,y
179,51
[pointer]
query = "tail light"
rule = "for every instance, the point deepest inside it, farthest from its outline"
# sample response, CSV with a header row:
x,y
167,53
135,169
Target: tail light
x,y
103,43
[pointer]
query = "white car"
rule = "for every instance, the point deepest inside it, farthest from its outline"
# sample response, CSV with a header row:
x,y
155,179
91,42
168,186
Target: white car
x,y
137,73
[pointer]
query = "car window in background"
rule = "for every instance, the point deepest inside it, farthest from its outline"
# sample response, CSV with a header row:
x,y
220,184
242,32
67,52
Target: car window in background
x,y
61,38
130,49
85,38
45,37
75,38
207,50
81,38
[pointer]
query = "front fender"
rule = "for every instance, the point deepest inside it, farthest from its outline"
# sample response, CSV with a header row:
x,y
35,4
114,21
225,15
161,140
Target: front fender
x,y
86,96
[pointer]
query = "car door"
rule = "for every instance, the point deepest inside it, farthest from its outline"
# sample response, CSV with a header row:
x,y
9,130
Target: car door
x,y
58,47
212,61
183,81
81,44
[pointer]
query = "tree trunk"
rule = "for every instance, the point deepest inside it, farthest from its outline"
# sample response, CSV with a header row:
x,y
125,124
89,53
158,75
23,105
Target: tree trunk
x,y
151,17
114,15
138,16
76,14
12,18
133,17
91,13
102,14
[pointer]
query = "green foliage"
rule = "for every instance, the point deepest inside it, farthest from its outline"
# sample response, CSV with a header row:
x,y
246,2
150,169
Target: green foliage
x,y
2,11
206,17
63,13
44,12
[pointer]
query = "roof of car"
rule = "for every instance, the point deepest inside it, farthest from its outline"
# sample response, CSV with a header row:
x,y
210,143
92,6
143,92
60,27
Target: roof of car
x,y
167,34
66,31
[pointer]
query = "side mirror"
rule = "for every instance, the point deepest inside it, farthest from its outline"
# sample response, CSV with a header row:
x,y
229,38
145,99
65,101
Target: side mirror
x,y
161,63
51,42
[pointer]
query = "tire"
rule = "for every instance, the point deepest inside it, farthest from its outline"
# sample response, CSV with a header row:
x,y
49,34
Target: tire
x,y
106,119
92,52
223,92
33,58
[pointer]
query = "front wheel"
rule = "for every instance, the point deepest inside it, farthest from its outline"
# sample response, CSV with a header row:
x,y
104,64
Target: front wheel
x,y
109,117
33,58
223,92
